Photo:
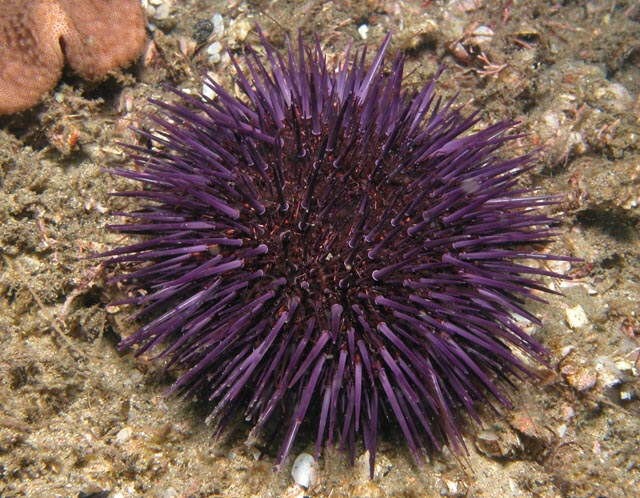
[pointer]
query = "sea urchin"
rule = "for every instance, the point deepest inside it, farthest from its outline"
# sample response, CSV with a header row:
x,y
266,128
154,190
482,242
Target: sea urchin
x,y
334,250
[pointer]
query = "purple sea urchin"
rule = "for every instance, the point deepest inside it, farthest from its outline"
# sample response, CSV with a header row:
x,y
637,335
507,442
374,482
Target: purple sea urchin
x,y
332,249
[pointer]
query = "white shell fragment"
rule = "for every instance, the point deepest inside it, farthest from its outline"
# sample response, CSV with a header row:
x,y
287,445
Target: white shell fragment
x,y
576,317
207,91
482,35
218,25
214,52
124,435
304,470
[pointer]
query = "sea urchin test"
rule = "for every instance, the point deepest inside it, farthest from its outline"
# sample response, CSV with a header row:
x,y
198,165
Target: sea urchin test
x,y
332,250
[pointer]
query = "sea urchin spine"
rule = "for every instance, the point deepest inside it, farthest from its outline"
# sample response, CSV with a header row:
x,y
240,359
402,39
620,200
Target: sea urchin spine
x,y
332,249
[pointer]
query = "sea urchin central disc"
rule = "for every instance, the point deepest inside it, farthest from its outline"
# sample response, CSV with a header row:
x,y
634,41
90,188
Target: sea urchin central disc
x,y
332,249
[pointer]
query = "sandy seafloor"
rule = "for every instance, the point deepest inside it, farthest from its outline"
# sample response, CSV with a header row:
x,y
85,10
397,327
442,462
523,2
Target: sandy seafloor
x,y
78,418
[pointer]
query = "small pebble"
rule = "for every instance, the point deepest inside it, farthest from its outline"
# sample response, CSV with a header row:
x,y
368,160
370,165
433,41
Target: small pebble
x,y
255,453
576,317
568,412
561,267
501,443
608,373
207,91
566,351
452,486
214,51
363,31
304,470
581,379
187,46
561,430
124,435
627,395
238,31
218,25
202,30
627,367
481,36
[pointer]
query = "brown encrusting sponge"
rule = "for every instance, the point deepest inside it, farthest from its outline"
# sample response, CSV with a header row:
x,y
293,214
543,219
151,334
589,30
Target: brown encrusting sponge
x,y
37,36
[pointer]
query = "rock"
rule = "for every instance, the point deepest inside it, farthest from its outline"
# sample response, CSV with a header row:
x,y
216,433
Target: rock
x,y
609,374
452,488
218,25
207,91
214,52
576,317
580,378
628,394
303,470
481,36
124,435
498,442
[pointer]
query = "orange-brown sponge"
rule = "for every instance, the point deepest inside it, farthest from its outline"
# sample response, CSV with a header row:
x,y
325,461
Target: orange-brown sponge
x,y
36,36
